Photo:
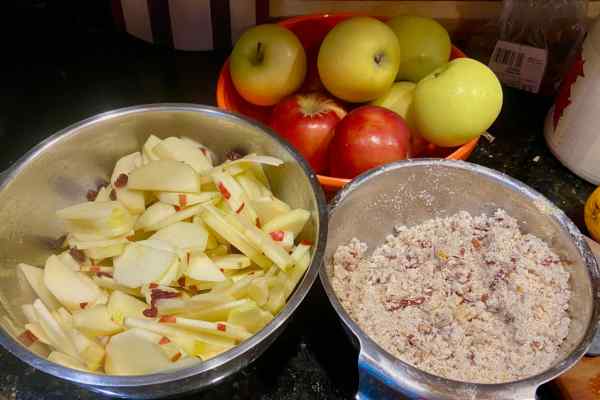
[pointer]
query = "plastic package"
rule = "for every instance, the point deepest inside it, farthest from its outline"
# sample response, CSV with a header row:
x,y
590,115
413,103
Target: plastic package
x,y
533,42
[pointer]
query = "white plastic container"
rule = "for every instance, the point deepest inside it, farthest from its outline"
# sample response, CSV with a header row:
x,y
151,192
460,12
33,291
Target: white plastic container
x,y
572,126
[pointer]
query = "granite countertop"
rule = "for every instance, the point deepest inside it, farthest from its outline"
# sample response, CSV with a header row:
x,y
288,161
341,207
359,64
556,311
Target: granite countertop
x,y
65,64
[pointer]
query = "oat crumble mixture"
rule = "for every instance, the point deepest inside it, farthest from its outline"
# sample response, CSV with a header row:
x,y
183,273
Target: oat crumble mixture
x,y
466,298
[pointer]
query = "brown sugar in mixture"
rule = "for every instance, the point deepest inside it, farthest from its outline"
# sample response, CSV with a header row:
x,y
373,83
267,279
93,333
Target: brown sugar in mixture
x,y
466,298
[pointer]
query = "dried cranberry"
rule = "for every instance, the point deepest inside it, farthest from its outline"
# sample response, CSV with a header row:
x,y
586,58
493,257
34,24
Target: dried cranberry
x,y
91,195
112,195
277,236
257,223
121,181
233,155
157,294
77,255
164,340
150,312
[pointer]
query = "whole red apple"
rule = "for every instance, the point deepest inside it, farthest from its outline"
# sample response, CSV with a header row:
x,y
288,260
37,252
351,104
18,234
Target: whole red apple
x,y
367,137
307,122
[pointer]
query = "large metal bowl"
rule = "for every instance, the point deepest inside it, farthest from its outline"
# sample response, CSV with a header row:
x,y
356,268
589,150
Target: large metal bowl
x,y
60,170
410,192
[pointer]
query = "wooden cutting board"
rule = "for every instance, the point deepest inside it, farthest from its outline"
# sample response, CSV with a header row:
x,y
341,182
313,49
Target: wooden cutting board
x,y
582,382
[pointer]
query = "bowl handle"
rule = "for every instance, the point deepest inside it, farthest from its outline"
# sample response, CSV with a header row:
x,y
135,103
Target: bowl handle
x,y
373,382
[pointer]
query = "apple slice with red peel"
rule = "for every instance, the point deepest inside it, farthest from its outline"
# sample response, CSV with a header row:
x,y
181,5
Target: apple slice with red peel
x,y
181,215
148,148
292,221
71,288
268,208
283,238
121,305
216,221
140,264
35,278
154,214
183,200
173,148
202,268
184,236
54,332
263,241
218,312
90,244
185,339
215,328
95,321
67,361
164,175
205,150
234,195
132,199
250,316
128,353
172,351
232,261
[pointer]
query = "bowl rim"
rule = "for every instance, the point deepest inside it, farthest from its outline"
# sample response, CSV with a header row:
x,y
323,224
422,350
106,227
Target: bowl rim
x,y
373,351
274,326
327,181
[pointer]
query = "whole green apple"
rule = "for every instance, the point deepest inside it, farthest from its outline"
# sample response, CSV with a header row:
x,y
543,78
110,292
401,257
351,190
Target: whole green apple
x,y
456,102
358,59
267,63
424,43
398,98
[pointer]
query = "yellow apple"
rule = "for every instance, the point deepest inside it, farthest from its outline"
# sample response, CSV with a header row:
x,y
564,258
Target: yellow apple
x,y
267,63
359,59
425,46
398,98
457,102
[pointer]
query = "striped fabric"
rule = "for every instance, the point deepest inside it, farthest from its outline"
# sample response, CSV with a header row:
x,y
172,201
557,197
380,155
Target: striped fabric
x,y
189,24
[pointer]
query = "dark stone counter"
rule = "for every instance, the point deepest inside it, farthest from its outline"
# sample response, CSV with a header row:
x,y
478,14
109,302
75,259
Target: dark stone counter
x,y
63,63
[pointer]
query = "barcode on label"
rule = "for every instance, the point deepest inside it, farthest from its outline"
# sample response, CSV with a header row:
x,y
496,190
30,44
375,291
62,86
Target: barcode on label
x,y
509,57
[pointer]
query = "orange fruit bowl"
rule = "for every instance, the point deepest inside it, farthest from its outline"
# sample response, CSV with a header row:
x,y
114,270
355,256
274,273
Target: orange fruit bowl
x,y
311,29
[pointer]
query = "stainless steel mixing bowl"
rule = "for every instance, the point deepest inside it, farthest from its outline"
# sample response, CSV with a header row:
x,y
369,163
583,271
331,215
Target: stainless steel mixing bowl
x,y
60,170
410,192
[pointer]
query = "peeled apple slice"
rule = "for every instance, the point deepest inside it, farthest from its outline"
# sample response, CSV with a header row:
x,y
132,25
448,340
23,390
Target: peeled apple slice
x,y
252,186
250,316
268,208
202,268
35,277
164,175
90,351
132,199
141,264
66,361
184,236
173,148
71,288
90,210
292,221
95,321
148,148
55,334
186,199
154,214
121,305
232,261
101,253
129,353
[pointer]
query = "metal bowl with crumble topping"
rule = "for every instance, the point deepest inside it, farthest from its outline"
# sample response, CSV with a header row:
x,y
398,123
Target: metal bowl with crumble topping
x,y
457,281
